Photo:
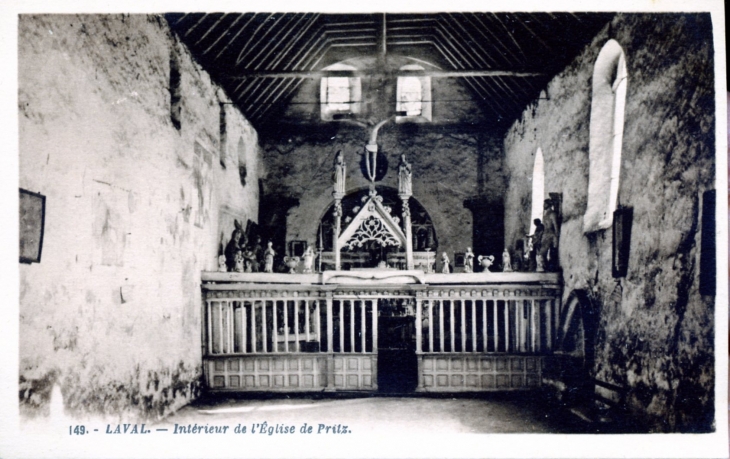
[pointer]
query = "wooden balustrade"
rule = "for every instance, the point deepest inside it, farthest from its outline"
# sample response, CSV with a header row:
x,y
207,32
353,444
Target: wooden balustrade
x,y
525,325
311,332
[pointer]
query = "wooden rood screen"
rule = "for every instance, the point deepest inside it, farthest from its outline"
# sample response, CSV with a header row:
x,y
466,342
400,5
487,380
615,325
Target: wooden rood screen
x,y
293,337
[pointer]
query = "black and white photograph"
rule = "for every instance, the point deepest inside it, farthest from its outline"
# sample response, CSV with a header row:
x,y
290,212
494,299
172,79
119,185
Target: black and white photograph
x,y
300,232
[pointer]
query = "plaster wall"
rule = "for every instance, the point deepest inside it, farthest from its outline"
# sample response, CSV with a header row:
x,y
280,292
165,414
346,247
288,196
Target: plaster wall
x,y
656,333
135,209
453,158
445,170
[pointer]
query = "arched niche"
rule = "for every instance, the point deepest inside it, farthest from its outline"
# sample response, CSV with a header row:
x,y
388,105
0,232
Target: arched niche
x,y
608,100
538,189
423,233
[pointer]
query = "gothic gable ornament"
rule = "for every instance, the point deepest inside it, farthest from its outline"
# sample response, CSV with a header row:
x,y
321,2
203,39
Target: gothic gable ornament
x,y
372,223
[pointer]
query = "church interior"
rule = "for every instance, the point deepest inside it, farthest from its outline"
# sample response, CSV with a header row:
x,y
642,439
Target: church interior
x,y
369,203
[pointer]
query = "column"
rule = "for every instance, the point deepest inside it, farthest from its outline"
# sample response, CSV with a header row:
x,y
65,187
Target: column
x,y
336,232
407,231
330,355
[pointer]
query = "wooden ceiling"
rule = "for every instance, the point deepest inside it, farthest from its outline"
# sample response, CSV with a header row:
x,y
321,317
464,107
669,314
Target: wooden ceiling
x,y
505,59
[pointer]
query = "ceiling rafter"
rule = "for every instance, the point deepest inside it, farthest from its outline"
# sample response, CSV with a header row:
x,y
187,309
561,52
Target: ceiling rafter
x,y
278,90
305,48
210,29
220,36
200,21
495,38
504,59
274,40
245,49
283,54
240,31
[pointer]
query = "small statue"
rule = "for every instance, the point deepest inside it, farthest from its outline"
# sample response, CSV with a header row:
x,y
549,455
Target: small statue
x,y
404,176
269,258
258,253
535,244
239,262
222,267
234,245
550,236
486,261
506,262
445,263
469,261
539,263
308,260
249,259
340,173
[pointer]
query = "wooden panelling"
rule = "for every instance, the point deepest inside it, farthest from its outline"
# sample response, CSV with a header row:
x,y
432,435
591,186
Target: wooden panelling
x,y
355,372
285,373
463,373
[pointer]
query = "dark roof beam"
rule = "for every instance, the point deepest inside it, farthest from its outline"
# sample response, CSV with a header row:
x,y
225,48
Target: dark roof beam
x,y
306,57
285,52
289,28
411,20
476,82
537,37
509,34
202,18
372,72
210,29
455,63
235,36
475,55
495,38
220,36
349,24
245,49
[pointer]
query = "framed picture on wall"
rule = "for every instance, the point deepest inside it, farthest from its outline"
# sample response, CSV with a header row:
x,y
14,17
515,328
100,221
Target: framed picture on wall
x,y
622,218
459,260
32,208
297,248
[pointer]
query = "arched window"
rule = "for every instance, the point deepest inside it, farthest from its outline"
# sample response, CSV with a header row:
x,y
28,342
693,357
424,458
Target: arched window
x,y
606,136
538,189
340,95
413,96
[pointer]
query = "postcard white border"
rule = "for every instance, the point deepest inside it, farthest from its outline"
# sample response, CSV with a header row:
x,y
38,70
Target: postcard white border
x,y
17,443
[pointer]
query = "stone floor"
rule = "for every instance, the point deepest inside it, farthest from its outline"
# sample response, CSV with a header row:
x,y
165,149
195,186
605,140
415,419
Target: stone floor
x,y
485,413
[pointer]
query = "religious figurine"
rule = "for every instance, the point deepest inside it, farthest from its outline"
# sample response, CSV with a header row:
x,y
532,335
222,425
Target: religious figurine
x,y
506,262
308,260
258,252
469,261
269,258
239,268
404,176
234,245
539,263
340,173
249,258
550,235
222,263
535,245
445,263
486,261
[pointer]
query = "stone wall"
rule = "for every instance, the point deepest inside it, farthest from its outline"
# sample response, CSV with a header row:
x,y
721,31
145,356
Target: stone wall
x,y
136,208
656,331
445,173
454,158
